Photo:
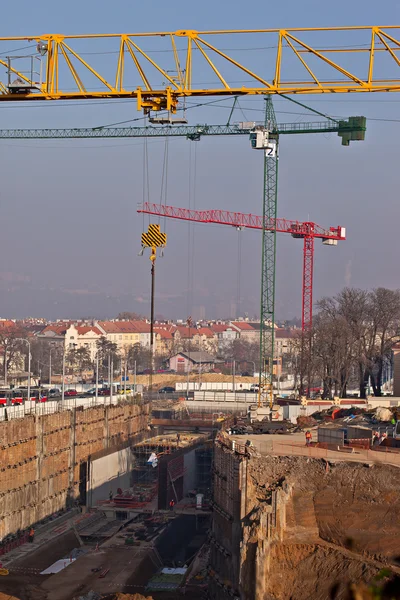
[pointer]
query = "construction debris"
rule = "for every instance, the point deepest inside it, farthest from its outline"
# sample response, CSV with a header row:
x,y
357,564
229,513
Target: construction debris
x,y
383,414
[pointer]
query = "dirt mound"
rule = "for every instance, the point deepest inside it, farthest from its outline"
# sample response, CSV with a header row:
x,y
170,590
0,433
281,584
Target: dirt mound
x,y
301,572
383,414
356,506
341,525
306,422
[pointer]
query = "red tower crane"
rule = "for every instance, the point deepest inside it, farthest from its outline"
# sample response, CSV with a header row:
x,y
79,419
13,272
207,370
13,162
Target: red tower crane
x,y
307,231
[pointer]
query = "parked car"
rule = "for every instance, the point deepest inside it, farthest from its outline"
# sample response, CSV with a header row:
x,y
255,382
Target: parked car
x,y
70,393
166,390
54,392
104,392
91,392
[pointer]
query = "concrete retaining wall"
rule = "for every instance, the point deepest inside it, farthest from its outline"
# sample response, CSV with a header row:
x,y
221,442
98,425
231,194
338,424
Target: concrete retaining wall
x,y
43,458
109,473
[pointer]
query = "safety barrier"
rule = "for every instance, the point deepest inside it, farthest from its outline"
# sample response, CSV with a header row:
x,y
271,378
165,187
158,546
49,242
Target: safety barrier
x,y
30,407
14,543
380,454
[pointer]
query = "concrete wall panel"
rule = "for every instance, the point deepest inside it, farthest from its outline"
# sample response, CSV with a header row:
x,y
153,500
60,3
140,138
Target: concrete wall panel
x,y
41,457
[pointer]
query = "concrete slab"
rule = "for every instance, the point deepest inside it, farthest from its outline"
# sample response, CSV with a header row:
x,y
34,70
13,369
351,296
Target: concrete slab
x,y
58,566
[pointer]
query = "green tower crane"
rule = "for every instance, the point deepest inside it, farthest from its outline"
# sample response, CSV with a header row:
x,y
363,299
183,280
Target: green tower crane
x,y
263,137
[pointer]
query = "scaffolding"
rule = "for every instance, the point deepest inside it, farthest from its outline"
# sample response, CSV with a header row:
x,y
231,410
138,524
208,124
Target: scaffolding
x,y
204,468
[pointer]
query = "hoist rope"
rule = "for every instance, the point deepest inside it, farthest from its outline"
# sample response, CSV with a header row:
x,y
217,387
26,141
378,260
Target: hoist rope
x,y
164,180
189,297
146,179
239,274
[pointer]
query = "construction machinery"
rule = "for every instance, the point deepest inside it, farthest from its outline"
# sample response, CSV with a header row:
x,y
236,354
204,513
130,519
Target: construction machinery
x,y
59,63
262,137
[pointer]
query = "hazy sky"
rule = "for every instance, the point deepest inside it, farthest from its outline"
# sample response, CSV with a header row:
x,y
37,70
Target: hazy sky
x,y
70,231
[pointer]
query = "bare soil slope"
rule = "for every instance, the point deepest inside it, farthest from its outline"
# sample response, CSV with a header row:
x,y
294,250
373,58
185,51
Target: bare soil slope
x,y
342,525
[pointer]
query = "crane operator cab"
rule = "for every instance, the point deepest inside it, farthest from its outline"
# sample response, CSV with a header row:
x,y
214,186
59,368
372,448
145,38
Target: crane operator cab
x,y
262,139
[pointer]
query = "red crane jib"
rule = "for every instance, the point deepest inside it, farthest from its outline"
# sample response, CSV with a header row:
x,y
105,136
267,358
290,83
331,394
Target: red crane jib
x,y
307,231
236,219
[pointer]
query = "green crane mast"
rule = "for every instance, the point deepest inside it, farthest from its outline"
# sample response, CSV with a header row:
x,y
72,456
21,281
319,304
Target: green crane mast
x,y
268,268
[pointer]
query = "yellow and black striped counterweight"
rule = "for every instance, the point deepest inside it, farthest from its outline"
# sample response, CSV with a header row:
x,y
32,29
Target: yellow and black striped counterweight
x,y
154,239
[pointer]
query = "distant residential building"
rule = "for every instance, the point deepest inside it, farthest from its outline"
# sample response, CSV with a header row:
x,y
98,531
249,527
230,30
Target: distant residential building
x,y
246,331
225,334
165,339
81,336
284,341
126,333
205,339
193,361
144,330
6,325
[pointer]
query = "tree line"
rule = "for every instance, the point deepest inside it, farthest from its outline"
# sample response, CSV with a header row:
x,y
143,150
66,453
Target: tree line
x,y
351,341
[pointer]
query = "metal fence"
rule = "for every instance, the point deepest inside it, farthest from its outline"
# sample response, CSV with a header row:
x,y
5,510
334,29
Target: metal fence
x,y
30,407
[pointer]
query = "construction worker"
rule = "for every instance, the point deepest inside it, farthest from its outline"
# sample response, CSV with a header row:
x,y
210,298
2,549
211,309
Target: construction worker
x,y
308,438
172,504
31,535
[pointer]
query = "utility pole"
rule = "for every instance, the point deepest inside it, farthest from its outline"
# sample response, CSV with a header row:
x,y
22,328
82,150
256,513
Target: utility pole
x,y
97,375
29,363
153,239
63,378
112,381
50,368
189,323
134,378
109,375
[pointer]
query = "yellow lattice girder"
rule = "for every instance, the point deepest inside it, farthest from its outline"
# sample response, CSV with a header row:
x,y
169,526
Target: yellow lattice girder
x,y
187,56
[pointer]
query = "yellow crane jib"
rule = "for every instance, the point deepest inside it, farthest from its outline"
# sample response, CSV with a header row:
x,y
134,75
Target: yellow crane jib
x,y
319,60
154,238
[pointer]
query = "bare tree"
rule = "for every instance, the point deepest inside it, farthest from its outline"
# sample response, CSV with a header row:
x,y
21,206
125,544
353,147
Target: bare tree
x,y
11,347
40,351
384,315
355,330
129,316
79,359
139,355
242,351
106,349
